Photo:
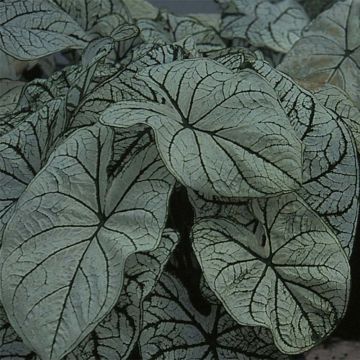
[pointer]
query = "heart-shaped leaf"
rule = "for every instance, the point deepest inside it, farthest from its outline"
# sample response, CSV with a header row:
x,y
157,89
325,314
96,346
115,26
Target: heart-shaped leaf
x,y
329,51
219,131
264,24
65,248
294,279
33,29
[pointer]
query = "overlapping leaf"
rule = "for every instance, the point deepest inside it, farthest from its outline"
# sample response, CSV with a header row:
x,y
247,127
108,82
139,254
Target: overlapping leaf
x,y
116,335
100,18
122,85
62,268
264,24
10,92
114,27
81,85
237,209
339,102
329,51
207,293
70,85
33,29
39,92
190,32
24,150
331,169
174,329
234,58
270,169
153,32
134,138
227,136
293,280
205,36
11,346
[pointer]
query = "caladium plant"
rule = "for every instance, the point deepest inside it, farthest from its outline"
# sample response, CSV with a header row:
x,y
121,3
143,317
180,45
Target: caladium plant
x,y
180,187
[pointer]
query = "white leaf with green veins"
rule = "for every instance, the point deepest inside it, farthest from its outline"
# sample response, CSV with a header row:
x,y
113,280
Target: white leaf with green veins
x,y
205,37
39,92
175,329
218,132
295,281
208,19
70,85
116,336
12,120
329,51
113,25
122,85
65,248
338,101
10,91
190,47
331,170
264,24
120,33
10,115
80,85
237,209
97,17
96,50
11,346
23,152
234,58
186,35
207,293
31,29
153,32
124,139
141,9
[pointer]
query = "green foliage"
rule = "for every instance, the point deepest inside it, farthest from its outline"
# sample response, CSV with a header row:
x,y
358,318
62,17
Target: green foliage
x,y
179,186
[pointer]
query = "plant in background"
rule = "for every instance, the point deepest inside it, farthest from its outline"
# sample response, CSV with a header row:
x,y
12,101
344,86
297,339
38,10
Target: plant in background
x,y
179,187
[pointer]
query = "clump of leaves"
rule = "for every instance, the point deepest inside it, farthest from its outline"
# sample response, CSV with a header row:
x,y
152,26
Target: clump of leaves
x,y
177,187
